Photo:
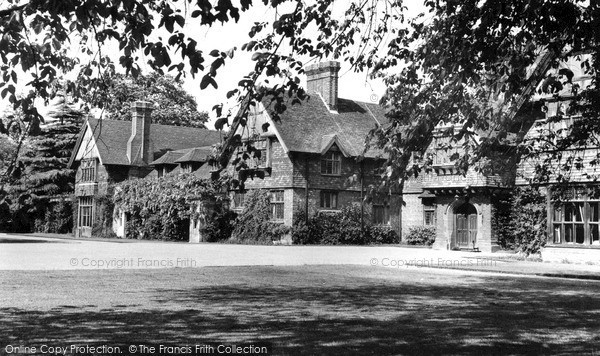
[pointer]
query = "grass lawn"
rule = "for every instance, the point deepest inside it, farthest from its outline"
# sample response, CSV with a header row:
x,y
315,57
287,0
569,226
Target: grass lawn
x,y
335,310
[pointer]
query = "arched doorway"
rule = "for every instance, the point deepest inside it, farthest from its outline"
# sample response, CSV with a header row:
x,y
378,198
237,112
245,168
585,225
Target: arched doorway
x,y
465,225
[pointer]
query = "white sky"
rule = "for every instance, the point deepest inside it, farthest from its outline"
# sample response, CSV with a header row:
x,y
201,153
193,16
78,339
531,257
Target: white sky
x,y
351,85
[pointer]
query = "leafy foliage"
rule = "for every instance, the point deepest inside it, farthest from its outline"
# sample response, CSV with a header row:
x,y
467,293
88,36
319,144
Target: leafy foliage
x,y
39,38
220,225
103,217
58,218
173,105
254,224
474,65
160,208
340,228
43,172
528,220
421,235
501,220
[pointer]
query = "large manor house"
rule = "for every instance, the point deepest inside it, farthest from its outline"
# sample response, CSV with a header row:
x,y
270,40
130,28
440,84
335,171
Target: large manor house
x,y
309,157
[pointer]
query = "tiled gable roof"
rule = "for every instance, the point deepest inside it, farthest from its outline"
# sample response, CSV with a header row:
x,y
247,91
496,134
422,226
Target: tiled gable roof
x,y
169,158
309,126
111,139
197,154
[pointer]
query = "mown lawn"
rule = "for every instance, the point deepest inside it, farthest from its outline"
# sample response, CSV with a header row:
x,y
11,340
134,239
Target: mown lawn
x,y
308,310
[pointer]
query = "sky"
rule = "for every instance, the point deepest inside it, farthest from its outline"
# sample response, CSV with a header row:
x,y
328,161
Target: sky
x,y
352,85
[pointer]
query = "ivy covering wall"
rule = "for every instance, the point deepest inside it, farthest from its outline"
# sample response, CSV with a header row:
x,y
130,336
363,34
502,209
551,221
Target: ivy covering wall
x,y
523,225
341,228
161,208
254,225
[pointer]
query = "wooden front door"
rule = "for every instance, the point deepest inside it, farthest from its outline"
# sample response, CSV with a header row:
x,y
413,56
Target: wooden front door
x,y
465,227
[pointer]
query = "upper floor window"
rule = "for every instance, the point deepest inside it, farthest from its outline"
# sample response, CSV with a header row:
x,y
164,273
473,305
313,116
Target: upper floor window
x,y
329,199
186,168
446,151
261,153
88,170
162,171
331,163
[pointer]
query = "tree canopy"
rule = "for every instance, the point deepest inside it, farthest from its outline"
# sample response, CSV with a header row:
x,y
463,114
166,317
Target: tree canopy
x,y
42,174
475,65
173,105
466,64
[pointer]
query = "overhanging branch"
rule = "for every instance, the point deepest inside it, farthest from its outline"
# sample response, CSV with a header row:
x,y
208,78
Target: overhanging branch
x,y
9,11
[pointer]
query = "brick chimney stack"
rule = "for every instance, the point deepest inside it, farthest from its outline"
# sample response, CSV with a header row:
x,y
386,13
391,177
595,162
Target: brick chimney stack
x,y
138,145
322,78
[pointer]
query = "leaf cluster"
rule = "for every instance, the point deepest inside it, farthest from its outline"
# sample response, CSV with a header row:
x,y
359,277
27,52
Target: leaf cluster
x,y
421,235
525,228
254,224
340,228
161,208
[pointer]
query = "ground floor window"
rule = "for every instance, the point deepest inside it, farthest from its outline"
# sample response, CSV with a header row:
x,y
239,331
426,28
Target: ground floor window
x,y
85,211
238,200
381,214
120,218
429,218
276,201
329,199
576,223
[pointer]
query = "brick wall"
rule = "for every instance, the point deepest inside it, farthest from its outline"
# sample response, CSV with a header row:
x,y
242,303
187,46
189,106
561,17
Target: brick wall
x,y
322,78
412,212
281,170
289,174
105,177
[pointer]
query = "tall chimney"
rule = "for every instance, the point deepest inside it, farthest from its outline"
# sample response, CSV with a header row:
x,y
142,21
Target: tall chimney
x,y
322,78
138,145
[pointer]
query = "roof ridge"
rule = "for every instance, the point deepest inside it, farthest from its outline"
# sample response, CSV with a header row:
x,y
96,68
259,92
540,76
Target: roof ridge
x,y
153,124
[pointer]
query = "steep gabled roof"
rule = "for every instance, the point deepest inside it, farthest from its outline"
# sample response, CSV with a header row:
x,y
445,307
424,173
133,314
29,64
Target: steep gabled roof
x,y
111,139
205,171
169,158
197,154
310,126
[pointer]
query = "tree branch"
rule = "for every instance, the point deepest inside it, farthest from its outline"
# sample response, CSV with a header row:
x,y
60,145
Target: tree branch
x,y
9,11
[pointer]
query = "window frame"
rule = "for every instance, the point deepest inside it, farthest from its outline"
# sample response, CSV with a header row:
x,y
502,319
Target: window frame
x,y
88,169
85,211
239,200
573,218
332,199
277,205
186,167
387,218
262,146
429,209
335,159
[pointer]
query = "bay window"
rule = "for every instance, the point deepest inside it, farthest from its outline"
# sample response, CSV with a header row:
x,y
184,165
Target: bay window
x,y
576,223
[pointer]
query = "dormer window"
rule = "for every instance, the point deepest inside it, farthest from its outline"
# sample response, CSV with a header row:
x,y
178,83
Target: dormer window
x,y
186,168
331,163
88,170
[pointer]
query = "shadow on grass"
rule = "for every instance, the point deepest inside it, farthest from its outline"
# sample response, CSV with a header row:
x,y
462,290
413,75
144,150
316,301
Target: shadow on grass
x,y
367,317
